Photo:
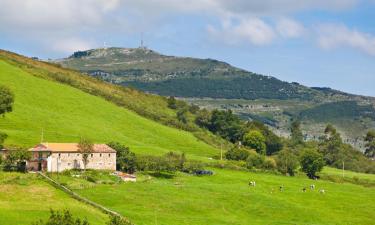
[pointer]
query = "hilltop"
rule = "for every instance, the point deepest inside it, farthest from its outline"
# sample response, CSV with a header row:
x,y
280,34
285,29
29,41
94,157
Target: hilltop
x,y
66,105
213,84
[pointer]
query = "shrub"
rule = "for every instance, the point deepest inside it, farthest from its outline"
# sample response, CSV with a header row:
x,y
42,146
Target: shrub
x,y
255,160
255,140
237,154
62,218
286,162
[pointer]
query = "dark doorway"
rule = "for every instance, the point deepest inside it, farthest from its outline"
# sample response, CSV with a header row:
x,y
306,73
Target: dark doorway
x,y
39,166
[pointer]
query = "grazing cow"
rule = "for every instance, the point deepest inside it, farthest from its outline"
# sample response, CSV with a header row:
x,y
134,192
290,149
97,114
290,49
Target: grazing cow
x,y
322,191
304,189
252,183
312,187
281,188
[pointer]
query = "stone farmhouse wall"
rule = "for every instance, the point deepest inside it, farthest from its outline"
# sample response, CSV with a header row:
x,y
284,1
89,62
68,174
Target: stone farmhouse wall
x,y
58,162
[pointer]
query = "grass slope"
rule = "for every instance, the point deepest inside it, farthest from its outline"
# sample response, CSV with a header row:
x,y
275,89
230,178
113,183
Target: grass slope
x,y
226,198
24,199
66,113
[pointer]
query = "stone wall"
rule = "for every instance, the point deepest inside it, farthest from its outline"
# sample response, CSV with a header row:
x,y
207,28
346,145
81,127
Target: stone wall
x,y
58,162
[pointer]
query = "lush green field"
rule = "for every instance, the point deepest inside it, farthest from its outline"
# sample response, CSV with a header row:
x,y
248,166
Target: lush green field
x,y
226,198
65,114
347,173
24,199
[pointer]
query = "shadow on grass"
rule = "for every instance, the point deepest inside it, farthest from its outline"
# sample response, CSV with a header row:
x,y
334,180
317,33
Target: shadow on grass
x,y
161,175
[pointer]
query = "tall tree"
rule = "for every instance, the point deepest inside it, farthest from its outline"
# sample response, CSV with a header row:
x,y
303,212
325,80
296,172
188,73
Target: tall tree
x,y
6,100
370,144
296,133
311,162
255,140
85,147
286,162
125,159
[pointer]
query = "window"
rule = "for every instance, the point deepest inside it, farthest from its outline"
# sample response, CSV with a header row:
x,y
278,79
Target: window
x,y
68,154
92,155
77,154
100,155
109,155
59,155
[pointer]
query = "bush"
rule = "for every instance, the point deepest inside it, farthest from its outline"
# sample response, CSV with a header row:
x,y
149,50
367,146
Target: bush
x,y
62,218
193,166
237,154
286,162
117,220
255,160
255,140
269,164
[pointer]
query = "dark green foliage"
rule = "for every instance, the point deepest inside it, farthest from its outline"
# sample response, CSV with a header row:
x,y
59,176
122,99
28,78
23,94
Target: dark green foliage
x,y
125,159
255,140
226,124
273,142
247,86
296,133
237,154
6,100
194,109
117,220
370,144
331,111
172,102
286,162
62,218
255,161
182,115
16,159
168,163
311,162
203,118
3,136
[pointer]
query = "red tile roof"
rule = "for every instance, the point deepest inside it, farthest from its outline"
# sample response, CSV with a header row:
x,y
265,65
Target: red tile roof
x,y
69,147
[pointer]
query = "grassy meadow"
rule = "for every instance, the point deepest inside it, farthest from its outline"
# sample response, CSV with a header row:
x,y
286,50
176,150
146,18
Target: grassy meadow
x,y
65,114
226,198
25,198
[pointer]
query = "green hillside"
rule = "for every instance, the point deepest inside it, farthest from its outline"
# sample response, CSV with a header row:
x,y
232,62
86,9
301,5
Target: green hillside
x,y
26,198
226,198
65,114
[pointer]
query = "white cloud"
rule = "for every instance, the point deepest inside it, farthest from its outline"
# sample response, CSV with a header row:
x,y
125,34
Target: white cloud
x,y
250,30
289,28
333,36
70,45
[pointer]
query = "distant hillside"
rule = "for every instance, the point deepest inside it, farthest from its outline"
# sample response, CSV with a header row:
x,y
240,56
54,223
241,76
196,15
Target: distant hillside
x,y
68,105
150,71
214,84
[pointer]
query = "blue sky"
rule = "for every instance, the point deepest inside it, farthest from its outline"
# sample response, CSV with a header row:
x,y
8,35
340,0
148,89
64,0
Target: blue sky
x,y
313,42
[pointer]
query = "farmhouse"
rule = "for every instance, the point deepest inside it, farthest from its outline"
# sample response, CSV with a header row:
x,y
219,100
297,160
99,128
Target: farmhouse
x,y
57,157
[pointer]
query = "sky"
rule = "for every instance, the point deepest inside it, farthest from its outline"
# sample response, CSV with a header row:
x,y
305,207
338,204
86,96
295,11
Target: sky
x,y
318,43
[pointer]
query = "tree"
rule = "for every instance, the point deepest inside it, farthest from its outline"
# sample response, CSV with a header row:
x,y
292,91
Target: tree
x,y
286,162
273,142
237,154
125,159
296,133
311,162
370,144
255,160
3,136
62,218
182,115
203,118
85,147
172,102
16,159
255,140
226,124
6,100
331,145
